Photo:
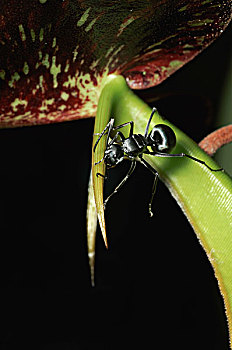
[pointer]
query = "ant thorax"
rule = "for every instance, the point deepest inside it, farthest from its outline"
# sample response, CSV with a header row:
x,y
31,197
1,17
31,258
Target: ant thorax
x,y
134,145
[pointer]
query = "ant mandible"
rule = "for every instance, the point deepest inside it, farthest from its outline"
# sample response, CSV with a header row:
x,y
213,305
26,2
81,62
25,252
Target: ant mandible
x,y
161,139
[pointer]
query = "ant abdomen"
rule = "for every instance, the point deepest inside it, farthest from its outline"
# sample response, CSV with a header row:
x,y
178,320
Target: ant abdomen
x,y
162,138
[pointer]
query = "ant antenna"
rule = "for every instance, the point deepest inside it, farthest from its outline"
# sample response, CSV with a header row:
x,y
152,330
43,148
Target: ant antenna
x,y
149,121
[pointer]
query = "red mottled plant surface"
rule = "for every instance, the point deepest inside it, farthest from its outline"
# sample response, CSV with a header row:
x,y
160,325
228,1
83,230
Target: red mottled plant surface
x,y
55,54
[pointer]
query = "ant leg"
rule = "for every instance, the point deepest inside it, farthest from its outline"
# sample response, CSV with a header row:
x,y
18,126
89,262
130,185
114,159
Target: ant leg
x,y
104,176
109,126
149,121
99,174
159,154
148,166
125,124
118,133
99,161
132,168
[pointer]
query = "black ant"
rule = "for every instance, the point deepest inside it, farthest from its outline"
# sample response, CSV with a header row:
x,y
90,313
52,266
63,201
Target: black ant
x,y
161,139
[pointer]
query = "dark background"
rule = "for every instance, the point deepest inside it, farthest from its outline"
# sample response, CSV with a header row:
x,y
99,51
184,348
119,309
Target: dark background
x,y
155,287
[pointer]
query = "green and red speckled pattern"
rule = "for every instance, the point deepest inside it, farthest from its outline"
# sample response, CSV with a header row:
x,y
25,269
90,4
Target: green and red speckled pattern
x,y
56,54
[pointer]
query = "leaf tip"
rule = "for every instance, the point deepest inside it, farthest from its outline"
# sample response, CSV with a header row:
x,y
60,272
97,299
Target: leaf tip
x,y
101,220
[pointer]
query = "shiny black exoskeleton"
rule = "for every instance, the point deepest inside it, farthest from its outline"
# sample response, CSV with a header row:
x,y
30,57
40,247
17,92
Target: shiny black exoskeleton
x,y
161,140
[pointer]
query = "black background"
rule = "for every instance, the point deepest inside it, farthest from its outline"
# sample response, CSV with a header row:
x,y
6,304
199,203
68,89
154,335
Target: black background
x,y
155,287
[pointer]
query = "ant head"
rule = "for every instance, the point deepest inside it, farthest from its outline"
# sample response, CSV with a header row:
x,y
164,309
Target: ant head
x,y
162,138
113,155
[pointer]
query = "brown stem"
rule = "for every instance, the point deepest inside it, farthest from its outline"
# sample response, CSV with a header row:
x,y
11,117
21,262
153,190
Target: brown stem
x,y
211,143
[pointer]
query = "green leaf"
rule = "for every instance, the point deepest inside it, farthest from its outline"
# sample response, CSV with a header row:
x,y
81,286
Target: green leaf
x,y
204,196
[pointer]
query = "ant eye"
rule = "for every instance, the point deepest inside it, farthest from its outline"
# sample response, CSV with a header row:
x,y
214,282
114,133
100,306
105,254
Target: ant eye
x,y
162,138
